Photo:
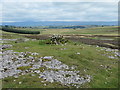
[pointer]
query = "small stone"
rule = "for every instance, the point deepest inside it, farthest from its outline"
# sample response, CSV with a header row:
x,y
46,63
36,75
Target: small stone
x,y
84,70
78,53
44,84
26,47
15,76
32,74
42,81
48,57
20,82
101,65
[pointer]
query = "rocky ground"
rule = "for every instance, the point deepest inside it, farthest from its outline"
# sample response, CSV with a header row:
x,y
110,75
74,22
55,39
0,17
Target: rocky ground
x,y
48,68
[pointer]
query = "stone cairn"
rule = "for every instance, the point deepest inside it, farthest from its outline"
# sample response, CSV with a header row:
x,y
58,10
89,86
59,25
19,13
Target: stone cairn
x,y
58,40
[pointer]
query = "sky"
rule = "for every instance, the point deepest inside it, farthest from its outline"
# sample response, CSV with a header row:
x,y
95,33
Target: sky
x,y
58,11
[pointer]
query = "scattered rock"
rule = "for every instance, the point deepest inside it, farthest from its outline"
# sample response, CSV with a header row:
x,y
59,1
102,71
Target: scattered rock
x,y
112,57
5,46
16,64
65,77
78,53
63,48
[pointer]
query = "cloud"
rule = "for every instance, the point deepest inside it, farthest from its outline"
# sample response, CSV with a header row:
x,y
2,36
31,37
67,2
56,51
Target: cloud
x,y
59,0
49,11
0,13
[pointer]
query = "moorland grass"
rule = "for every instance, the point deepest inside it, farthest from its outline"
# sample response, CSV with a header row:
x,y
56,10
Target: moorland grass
x,y
89,60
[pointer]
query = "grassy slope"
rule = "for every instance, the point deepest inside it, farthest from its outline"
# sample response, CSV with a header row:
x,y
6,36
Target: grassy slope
x,y
90,58
96,30
107,30
111,30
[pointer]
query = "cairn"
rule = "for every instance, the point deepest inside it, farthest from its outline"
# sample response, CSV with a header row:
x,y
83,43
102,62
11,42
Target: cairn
x,y
58,40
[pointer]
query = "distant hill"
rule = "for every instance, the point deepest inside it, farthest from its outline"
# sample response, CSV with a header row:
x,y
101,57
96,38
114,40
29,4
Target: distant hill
x,y
58,23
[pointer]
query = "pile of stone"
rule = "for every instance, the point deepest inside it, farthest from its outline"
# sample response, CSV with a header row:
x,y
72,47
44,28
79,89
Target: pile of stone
x,y
58,39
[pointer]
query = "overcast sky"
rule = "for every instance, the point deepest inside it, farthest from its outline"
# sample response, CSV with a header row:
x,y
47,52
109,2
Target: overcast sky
x,y
59,11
